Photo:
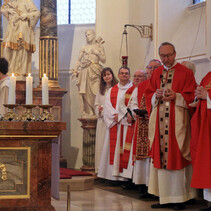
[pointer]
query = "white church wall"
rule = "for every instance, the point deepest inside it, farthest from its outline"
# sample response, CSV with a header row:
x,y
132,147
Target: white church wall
x,y
110,19
141,12
189,29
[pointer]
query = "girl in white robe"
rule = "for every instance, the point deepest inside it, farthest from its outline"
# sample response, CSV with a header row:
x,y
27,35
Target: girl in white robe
x,y
107,80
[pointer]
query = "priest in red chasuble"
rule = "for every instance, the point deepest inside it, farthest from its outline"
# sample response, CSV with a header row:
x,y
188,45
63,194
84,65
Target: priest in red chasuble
x,y
170,90
201,139
141,148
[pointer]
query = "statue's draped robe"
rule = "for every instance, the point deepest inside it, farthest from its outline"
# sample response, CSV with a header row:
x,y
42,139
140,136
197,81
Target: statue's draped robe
x,y
18,42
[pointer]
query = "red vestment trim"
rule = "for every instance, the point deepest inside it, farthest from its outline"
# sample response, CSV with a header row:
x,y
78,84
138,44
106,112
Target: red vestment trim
x,y
124,157
113,130
128,94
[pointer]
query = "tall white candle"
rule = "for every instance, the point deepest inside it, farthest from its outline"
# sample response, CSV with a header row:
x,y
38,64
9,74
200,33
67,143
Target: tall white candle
x,y
45,94
12,88
29,89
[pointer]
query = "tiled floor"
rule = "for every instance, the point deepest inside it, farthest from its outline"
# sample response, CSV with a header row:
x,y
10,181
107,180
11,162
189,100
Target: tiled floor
x,y
99,199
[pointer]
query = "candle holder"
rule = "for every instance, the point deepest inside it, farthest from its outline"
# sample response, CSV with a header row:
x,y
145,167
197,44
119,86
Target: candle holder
x,y
28,115
11,115
46,115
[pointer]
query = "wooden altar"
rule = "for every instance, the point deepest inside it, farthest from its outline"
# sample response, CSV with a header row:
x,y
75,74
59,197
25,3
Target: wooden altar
x,y
25,164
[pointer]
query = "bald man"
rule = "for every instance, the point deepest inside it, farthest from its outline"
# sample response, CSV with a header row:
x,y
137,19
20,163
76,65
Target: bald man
x,y
138,77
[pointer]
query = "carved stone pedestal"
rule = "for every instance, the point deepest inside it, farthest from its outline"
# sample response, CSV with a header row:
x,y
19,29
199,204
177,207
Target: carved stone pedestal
x,y
25,157
89,127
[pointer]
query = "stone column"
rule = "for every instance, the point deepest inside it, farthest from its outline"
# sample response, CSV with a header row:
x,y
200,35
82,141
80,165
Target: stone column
x,y
48,60
48,49
89,132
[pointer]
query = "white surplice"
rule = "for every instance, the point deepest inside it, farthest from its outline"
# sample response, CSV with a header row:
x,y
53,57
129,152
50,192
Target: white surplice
x,y
128,172
167,184
100,129
106,170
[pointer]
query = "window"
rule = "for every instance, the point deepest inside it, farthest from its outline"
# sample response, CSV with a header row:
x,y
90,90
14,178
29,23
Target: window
x,y
76,11
197,1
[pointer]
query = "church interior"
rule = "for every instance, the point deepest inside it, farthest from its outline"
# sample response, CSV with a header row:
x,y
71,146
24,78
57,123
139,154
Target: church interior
x,y
186,25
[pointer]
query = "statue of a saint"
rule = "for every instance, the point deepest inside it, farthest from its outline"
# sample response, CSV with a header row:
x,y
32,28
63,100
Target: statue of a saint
x,y
18,41
88,71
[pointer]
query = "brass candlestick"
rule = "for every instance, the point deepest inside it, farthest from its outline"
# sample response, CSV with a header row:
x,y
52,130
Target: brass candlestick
x,y
28,115
11,115
46,116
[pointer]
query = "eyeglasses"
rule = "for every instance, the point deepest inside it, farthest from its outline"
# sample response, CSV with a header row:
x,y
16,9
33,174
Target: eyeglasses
x,y
162,56
122,73
139,76
152,67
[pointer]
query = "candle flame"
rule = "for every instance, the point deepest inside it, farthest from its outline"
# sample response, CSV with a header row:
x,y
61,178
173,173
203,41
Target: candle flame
x,y
13,74
44,74
29,74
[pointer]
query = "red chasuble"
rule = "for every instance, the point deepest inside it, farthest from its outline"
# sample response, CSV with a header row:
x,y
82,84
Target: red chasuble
x,y
185,84
124,156
201,141
113,130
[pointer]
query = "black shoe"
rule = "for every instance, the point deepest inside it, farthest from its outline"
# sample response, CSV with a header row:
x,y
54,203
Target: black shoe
x,y
206,209
114,183
178,206
144,195
127,186
154,198
190,202
142,189
148,196
159,206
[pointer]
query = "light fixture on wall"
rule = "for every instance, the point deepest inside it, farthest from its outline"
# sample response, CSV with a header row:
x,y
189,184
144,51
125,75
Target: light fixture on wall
x,y
146,31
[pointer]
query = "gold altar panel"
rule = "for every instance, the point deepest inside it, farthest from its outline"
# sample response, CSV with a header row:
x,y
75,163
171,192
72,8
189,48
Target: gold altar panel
x,y
17,163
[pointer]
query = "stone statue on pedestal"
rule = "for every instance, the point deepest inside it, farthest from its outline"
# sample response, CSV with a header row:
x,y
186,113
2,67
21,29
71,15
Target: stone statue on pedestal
x,y
18,41
87,72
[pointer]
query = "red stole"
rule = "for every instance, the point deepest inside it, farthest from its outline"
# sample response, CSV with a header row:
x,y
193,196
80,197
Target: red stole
x,y
201,141
113,130
183,83
124,156
140,92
